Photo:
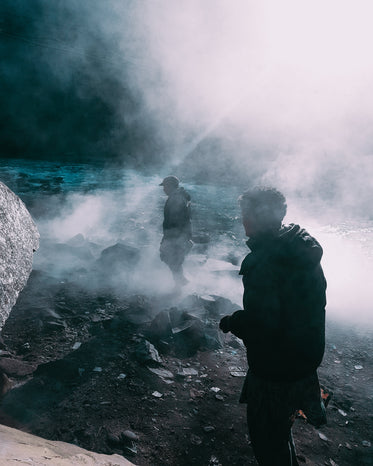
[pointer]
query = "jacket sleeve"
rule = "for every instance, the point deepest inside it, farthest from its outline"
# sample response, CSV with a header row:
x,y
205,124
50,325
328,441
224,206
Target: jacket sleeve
x,y
176,213
262,310
239,322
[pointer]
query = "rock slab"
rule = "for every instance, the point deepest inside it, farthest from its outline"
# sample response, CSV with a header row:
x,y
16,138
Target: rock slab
x,y
18,447
19,238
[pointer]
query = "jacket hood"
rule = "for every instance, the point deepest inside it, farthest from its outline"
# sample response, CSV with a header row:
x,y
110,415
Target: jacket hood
x,y
299,245
291,244
180,192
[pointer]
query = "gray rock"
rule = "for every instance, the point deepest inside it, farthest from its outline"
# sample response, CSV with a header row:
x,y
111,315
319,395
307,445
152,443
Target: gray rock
x,y
213,338
15,367
113,438
209,429
218,306
146,353
138,315
76,241
53,326
5,385
214,461
237,371
128,434
164,374
118,256
195,439
131,449
161,326
19,238
185,332
188,334
18,447
212,304
187,324
187,371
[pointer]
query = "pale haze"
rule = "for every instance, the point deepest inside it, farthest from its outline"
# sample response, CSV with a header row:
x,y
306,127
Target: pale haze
x,y
292,79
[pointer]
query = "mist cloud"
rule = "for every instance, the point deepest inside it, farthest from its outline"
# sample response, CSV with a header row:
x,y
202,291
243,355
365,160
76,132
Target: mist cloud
x,y
279,91
132,215
244,93
257,92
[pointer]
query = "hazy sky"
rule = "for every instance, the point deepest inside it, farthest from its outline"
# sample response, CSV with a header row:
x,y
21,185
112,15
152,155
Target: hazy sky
x,y
286,66
292,78
282,89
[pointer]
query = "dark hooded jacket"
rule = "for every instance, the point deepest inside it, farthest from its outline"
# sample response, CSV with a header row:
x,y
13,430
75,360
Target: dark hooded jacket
x,y
283,320
177,215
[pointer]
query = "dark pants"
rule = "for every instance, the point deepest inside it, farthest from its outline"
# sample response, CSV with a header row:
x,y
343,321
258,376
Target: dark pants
x,y
271,440
173,251
271,409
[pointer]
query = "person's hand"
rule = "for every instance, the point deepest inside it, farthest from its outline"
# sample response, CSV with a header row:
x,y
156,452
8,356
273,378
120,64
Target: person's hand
x,y
225,324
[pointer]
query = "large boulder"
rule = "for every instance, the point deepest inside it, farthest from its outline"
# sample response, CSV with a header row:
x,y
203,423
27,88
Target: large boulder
x,y
115,266
185,332
19,238
22,448
118,256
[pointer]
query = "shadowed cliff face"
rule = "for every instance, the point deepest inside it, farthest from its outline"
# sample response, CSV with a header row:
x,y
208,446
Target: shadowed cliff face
x,y
19,238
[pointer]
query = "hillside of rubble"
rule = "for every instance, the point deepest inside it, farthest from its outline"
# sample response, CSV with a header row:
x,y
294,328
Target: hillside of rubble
x,y
152,379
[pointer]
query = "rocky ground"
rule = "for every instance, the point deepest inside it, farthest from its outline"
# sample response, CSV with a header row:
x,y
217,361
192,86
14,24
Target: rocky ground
x,y
152,379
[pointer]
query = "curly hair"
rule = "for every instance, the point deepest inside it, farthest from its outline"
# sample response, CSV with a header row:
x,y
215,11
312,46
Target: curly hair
x,y
267,204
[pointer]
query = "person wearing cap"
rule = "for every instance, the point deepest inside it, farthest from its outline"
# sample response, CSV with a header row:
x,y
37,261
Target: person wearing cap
x,y
177,230
282,325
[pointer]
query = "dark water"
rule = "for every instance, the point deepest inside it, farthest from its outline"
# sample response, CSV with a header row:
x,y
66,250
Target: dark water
x,y
215,208
25,176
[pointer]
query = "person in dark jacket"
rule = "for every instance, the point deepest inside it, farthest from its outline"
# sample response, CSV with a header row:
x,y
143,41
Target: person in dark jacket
x,y
177,230
282,325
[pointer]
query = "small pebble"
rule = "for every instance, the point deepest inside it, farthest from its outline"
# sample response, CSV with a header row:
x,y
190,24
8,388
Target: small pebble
x,y
323,437
130,435
209,429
